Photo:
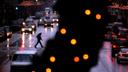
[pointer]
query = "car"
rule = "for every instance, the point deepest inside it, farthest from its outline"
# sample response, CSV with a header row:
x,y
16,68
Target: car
x,y
115,48
55,17
28,27
122,56
22,61
48,21
41,21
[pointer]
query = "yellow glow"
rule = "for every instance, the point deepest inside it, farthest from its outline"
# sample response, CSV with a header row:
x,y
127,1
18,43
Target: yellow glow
x,y
85,56
76,59
87,12
48,70
30,29
63,31
33,71
98,16
33,26
52,59
9,33
73,41
23,29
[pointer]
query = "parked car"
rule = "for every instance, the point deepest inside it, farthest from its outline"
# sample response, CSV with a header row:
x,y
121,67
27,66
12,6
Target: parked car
x,y
122,56
22,61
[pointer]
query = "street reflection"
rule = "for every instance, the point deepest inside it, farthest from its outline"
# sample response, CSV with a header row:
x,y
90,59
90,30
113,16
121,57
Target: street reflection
x,y
45,29
120,68
8,40
51,29
30,40
33,32
23,41
8,53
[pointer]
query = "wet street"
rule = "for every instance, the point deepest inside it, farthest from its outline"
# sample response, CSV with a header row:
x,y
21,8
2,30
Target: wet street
x,y
27,41
106,63
23,42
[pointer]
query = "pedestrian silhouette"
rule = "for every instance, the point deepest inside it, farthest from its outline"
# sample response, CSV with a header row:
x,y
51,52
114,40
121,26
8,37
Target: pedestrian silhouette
x,y
39,40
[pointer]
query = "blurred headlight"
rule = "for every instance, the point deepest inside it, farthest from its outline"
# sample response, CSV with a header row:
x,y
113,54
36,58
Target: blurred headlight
x,y
45,24
40,20
23,29
23,23
30,29
53,19
57,19
8,33
33,26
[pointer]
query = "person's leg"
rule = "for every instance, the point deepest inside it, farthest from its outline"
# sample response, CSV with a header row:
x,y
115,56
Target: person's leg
x,y
41,44
36,44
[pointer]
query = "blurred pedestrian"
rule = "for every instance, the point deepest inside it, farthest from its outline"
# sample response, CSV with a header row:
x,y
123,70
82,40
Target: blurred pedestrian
x,y
39,40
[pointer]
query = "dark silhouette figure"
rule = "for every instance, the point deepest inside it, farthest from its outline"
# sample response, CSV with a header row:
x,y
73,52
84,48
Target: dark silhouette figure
x,y
39,40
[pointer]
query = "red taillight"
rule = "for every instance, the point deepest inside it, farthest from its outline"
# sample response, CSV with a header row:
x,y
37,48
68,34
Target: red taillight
x,y
118,33
120,54
114,46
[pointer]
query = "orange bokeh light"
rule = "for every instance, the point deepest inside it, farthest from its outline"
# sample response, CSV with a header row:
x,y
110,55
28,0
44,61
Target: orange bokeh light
x,y
63,31
52,59
98,16
48,70
76,59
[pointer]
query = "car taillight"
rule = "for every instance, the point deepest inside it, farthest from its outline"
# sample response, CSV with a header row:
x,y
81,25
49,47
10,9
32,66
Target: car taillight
x,y
120,54
118,33
114,46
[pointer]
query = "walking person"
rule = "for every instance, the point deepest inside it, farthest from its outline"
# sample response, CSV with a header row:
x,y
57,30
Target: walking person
x,y
39,40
